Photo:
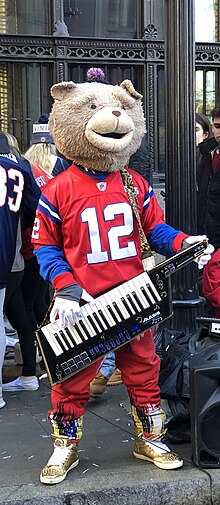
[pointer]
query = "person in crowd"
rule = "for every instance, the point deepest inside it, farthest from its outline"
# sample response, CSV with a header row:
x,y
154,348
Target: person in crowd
x,y
211,284
203,133
15,310
45,164
82,243
108,374
19,193
209,181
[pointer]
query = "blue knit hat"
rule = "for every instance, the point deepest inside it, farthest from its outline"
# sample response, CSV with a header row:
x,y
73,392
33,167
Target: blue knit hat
x,y
41,133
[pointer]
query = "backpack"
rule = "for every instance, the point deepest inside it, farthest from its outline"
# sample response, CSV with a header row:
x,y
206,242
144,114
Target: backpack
x,y
175,350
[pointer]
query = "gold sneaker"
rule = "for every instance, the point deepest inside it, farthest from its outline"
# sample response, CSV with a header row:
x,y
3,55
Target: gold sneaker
x,y
63,459
157,452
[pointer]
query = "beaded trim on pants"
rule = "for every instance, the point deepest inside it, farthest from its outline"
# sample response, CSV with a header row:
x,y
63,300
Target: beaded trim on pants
x,y
71,428
149,420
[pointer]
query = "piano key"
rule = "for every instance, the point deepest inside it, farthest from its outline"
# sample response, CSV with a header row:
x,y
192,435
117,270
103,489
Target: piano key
x,y
147,294
85,313
109,303
64,337
49,335
56,327
84,327
106,312
118,304
78,327
88,308
125,301
101,315
72,332
152,288
154,292
137,286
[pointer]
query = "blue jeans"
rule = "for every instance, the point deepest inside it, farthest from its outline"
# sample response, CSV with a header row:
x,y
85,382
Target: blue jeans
x,y
108,366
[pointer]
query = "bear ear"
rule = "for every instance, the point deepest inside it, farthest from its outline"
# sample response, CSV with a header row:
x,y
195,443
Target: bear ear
x,y
60,90
128,86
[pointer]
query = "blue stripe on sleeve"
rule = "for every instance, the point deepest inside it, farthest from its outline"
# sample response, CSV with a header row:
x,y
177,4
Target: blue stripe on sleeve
x,y
161,239
148,196
49,210
52,262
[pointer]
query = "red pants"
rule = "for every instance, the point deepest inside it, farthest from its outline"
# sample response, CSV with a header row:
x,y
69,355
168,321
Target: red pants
x,y
139,365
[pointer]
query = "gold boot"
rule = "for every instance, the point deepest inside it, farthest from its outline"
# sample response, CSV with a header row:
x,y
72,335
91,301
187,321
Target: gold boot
x,y
63,459
154,450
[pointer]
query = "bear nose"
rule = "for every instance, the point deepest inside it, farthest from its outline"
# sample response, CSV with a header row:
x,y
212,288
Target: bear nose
x,y
116,113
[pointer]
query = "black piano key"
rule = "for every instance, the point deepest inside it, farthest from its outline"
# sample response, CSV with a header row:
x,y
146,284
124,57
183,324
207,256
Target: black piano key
x,y
104,318
98,321
85,329
63,336
93,324
124,301
112,313
118,310
59,339
138,301
132,303
76,326
70,335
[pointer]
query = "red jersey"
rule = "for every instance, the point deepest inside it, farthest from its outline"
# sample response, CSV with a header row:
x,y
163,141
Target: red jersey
x,y
85,231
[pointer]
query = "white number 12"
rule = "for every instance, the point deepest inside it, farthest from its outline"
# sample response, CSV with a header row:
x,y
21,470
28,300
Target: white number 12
x,y
97,255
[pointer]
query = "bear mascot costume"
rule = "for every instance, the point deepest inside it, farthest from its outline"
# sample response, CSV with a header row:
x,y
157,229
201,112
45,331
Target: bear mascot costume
x,y
87,241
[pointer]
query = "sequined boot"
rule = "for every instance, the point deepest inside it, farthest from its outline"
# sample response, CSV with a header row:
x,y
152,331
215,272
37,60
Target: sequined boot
x,y
149,431
63,459
66,436
155,451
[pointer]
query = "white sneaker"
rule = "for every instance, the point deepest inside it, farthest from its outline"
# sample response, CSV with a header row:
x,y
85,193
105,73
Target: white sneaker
x,y
10,332
11,341
2,403
20,384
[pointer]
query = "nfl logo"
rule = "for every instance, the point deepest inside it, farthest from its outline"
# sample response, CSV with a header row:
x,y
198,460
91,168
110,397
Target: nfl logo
x,y
101,186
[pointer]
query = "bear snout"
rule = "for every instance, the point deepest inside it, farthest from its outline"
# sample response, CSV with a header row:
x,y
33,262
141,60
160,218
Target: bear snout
x,y
116,113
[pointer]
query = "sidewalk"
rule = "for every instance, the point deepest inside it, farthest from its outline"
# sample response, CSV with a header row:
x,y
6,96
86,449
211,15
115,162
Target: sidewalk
x,y
107,474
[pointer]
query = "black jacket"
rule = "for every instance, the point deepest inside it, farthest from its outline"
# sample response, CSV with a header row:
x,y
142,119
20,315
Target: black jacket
x,y
208,201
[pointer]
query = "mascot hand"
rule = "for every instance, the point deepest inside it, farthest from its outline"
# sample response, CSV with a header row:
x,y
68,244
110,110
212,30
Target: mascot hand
x,y
206,256
68,311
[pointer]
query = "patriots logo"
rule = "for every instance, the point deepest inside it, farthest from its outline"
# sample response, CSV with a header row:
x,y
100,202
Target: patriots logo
x,y
101,186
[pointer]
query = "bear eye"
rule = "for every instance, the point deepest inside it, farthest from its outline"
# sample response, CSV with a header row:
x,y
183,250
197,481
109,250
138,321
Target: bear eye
x,y
123,107
93,106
